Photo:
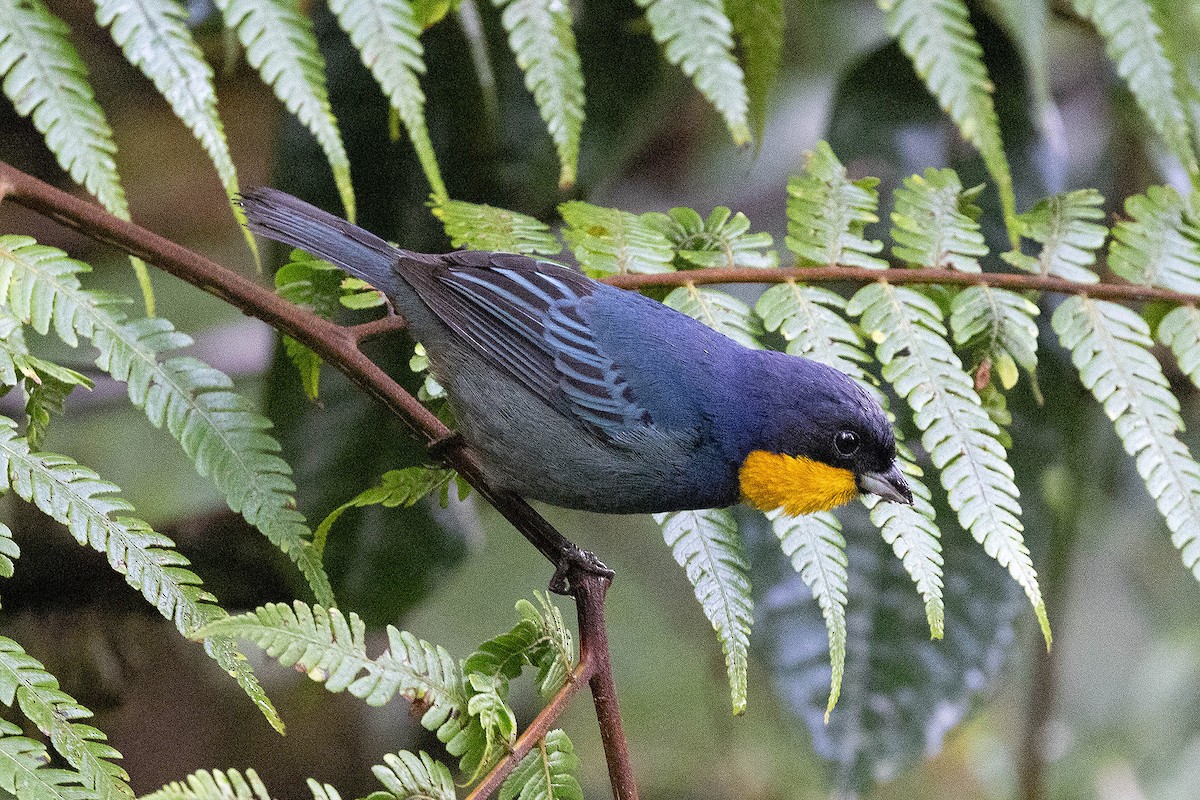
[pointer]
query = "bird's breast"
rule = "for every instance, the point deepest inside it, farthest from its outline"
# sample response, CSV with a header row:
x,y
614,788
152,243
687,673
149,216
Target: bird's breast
x,y
796,484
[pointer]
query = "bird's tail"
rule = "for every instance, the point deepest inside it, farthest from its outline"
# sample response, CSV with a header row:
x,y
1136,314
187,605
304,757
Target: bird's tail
x,y
280,216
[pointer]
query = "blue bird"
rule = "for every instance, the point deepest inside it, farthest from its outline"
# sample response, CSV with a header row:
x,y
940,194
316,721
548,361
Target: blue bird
x,y
587,396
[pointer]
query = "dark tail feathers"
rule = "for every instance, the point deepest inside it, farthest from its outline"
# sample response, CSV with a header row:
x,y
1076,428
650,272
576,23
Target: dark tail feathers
x,y
279,216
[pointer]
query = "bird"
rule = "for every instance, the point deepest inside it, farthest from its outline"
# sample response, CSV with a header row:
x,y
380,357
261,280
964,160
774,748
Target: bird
x,y
586,396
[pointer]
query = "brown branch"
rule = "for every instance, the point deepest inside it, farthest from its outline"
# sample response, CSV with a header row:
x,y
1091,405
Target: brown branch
x,y
901,275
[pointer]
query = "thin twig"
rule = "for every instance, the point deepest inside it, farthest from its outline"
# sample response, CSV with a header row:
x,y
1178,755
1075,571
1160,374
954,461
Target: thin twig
x,y
377,327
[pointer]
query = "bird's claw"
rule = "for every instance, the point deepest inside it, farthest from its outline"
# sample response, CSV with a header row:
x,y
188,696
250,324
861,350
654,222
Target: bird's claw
x,y
571,564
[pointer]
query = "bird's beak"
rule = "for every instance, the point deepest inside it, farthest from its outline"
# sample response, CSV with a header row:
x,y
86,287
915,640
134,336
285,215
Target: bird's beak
x,y
889,484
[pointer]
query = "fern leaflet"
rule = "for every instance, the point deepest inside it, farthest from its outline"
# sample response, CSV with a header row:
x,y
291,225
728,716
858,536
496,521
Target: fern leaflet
x,y
828,213
720,240
24,772
280,45
214,785
708,546
697,36
937,35
483,227
1109,345
998,325
936,222
548,772
1065,225
397,487
758,25
409,776
608,241
540,36
1180,331
718,310
1159,245
385,33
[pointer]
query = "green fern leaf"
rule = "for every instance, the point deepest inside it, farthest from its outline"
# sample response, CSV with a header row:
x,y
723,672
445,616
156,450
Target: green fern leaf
x,y
1159,245
608,241
385,33
1110,346
492,728
47,386
817,549
720,240
937,35
1027,23
957,432
1134,43
217,428
1065,225
397,487
540,35
25,680
79,499
46,79
540,639
936,223
758,25
280,44
548,772
320,791
214,785
9,551
718,310
708,546
483,227
828,213
998,325
1179,330
24,772
697,37
408,776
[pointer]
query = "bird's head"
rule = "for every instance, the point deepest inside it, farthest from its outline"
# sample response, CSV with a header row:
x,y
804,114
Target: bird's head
x,y
824,440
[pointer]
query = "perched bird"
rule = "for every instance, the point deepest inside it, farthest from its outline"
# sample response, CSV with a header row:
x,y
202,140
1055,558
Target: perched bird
x,y
587,396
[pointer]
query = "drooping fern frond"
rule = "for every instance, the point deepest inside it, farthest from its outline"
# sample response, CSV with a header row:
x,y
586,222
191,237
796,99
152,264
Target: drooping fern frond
x,y
1134,43
997,325
718,310
409,776
708,546
957,432
758,25
549,772
386,35
1110,346
913,533
828,213
25,774
723,239
397,487
76,497
937,35
214,785
540,36
1159,244
483,227
697,37
56,714
817,549
281,46
608,241
1027,23
218,429
936,222
1066,227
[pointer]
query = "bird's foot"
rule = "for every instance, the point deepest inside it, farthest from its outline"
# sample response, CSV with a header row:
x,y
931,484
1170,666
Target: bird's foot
x,y
571,563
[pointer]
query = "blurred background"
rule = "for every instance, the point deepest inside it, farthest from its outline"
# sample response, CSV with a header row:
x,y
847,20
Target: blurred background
x,y
1112,713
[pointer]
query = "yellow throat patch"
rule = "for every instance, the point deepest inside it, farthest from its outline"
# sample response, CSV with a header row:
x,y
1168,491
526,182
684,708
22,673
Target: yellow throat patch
x,y
796,484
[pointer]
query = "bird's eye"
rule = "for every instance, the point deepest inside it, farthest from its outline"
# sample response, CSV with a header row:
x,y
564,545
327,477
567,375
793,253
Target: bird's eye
x,y
846,442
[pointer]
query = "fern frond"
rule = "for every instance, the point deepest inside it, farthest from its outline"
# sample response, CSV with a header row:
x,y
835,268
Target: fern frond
x,y
1179,330
828,213
1027,23
214,785
998,325
75,496
397,487
1134,43
280,45
9,551
937,35
817,549
718,310
24,679
1110,346
491,730
1065,225
758,25
956,430
409,776
557,659
548,772
483,227
25,774
723,239
386,34
218,429
708,546
540,36
697,37
608,241
936,223
540,639
46,80
1159,245
320,791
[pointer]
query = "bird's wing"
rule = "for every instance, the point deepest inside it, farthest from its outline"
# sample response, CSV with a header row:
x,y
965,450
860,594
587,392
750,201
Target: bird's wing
x,y
528,318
